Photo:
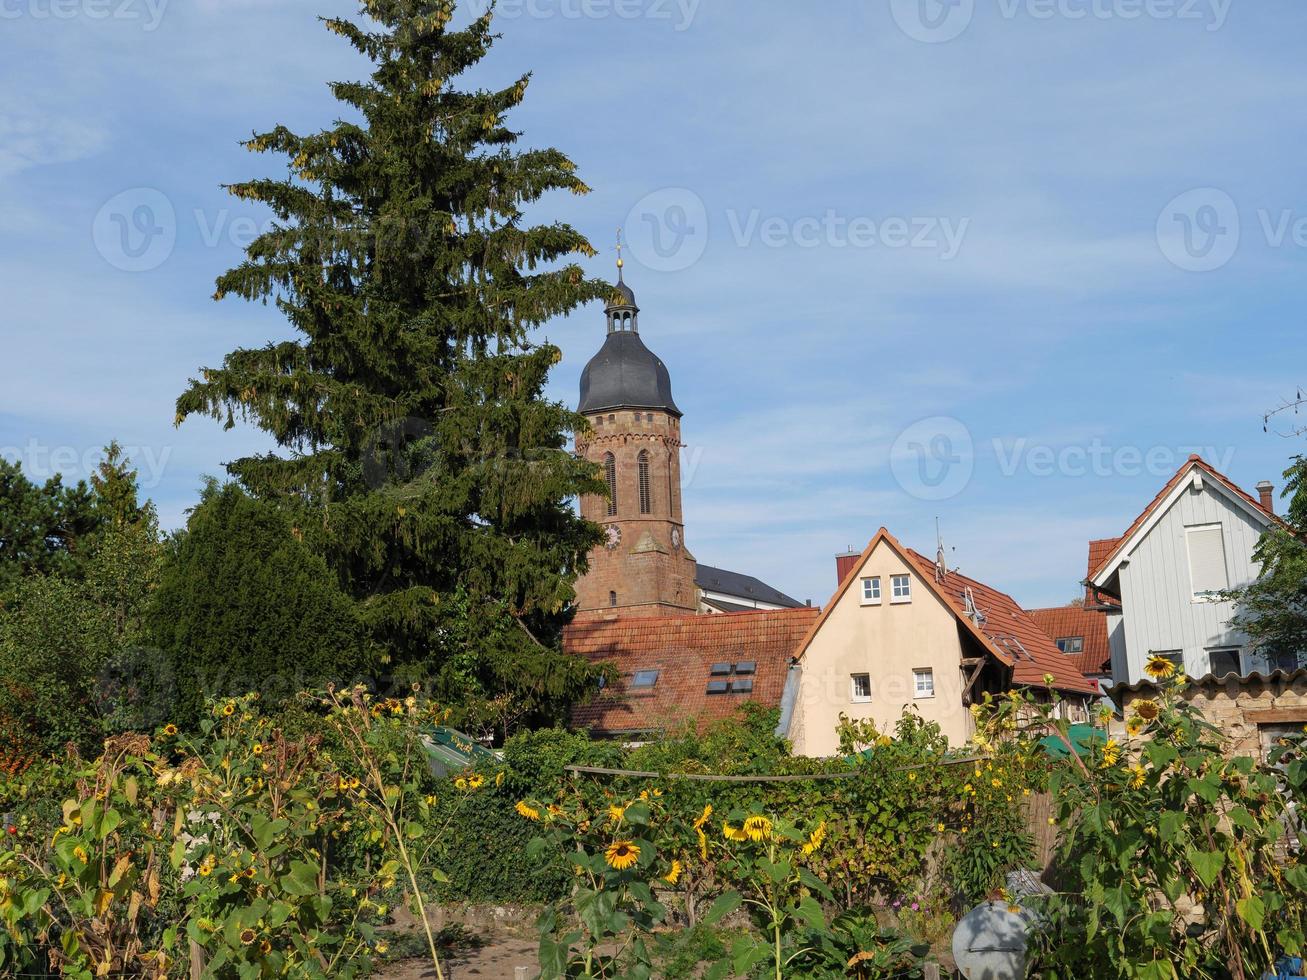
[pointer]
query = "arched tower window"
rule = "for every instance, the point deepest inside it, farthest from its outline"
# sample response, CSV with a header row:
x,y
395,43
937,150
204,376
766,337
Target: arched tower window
x,y
646,488
610,475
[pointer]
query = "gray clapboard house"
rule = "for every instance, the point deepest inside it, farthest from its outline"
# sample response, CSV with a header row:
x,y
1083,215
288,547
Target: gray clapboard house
x,y
1161,581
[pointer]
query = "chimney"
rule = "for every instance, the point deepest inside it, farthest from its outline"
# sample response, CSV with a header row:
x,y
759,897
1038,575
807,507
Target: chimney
x,y
844,564
1266,489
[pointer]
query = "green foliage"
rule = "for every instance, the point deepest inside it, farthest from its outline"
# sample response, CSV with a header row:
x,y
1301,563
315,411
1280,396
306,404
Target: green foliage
x,y
420,455
1171,854
244,605
72,668
43,529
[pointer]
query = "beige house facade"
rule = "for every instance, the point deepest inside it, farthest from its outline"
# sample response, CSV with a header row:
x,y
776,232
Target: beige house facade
x,y
903,633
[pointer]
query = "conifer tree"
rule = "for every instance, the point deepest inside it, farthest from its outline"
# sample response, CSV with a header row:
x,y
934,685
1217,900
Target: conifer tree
x,y
416,444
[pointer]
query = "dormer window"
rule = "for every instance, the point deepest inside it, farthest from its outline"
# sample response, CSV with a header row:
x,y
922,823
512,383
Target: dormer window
x,y
1071,644
644,680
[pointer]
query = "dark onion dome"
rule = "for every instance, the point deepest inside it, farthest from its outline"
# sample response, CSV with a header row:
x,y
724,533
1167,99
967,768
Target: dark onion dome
x,y
626,374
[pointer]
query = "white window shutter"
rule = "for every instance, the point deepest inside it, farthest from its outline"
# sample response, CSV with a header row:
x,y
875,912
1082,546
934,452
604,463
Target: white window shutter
x,y
1207,559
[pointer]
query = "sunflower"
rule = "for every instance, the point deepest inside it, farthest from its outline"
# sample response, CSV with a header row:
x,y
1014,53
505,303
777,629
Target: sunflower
x,y
170,730
616,813
1134,726
703,843
674,874
257,749
1159,668
703,817
757,828
79,852
265,947
733,833
476,780
1139,775
622,854
530,812
248,936
1147,709
940,827
460,783
228,709
815,839
1111,753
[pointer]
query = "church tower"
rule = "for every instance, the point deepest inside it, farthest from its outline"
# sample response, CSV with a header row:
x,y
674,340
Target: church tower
x,y
644,567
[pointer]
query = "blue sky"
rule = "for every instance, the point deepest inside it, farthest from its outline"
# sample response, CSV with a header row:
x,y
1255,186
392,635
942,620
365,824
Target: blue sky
x,y
1003,264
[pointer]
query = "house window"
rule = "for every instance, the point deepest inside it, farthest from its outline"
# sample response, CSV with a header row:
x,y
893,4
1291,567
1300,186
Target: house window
x,y
923,682
612,598
1071,644
1175,656
1288,662
610,477
861,688
1222,662
871,591
902,586
1207,571
644,679
646,489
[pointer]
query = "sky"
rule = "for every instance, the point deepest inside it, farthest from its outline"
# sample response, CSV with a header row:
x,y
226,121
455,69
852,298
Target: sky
x,y
1000,265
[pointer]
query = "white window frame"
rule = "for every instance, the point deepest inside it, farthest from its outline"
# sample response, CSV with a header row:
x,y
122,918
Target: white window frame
x,y
871,590
918,673
1208,595
906,595
854,696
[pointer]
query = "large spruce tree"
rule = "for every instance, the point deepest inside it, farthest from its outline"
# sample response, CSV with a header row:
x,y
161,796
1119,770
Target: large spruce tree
x,y
425,463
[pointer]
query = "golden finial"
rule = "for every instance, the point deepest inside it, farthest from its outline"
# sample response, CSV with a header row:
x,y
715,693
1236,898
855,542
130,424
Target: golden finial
x,y
620,261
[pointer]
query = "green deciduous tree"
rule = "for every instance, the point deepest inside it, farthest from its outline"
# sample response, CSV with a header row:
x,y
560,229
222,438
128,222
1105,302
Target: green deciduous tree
x,y
43,527
244,605
71,657
1273,610
417,446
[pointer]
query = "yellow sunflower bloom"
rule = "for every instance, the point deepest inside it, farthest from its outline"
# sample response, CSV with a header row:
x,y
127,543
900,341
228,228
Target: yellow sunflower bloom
x,y
733,833
1147,708
1134,726
815,839
476,781
530,812
1111,753
703,843
460,783
673,875
170,730
228,710
757,828
1159,668
622,854
616,813
257,749
1140,775
703,817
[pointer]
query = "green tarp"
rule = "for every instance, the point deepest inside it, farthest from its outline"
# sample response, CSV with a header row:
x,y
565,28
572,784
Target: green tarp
x,y
449,750
1083,737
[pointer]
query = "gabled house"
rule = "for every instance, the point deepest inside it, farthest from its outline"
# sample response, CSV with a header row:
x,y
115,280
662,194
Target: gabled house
x,y
1081,635
902,631
1167,572
685,670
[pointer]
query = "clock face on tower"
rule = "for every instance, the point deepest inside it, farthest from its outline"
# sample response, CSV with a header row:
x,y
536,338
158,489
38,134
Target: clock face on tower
x,y
614,537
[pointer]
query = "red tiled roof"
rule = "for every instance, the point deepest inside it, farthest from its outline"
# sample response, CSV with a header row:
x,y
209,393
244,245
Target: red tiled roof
x,y
683,649
1009,633
1192,463
1008,627
1068,621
